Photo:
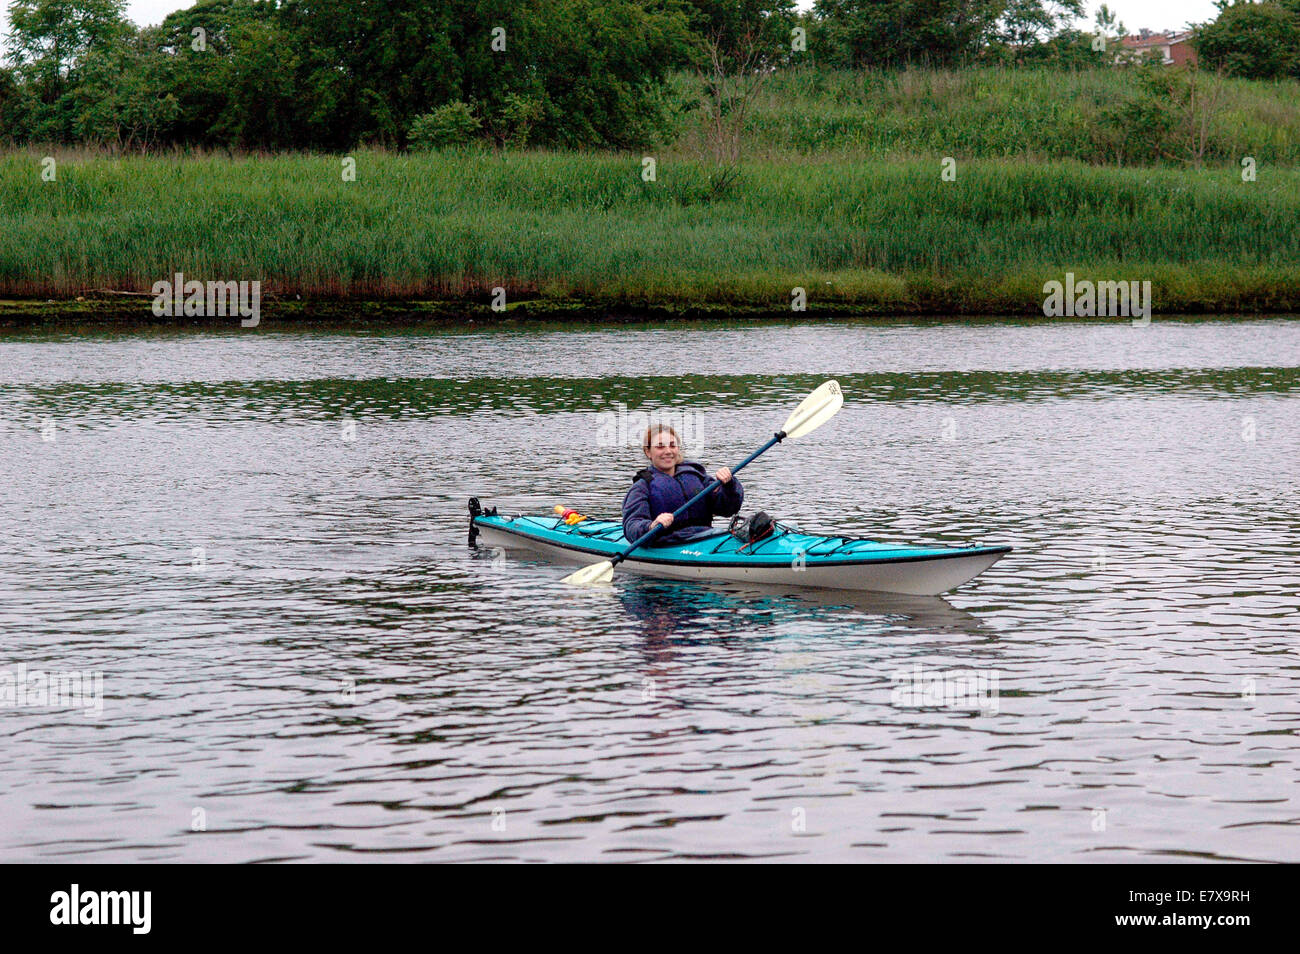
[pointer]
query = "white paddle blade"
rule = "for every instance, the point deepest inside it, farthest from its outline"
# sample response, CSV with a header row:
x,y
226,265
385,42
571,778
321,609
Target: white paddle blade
x,y
816,409
594,575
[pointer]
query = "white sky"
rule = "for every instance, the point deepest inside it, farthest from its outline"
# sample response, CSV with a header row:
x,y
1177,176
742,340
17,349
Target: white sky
x,y
1134,14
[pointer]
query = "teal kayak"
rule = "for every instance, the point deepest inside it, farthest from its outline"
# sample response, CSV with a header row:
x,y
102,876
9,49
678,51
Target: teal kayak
x,y
788,557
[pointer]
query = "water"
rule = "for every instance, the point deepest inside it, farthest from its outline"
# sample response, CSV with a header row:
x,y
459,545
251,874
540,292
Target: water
x,y
302,660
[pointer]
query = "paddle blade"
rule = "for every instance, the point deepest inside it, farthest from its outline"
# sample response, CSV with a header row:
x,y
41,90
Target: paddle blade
x,y
594,575
816,409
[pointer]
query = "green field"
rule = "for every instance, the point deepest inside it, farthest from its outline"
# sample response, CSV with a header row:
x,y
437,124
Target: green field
x,y
864,224
989,113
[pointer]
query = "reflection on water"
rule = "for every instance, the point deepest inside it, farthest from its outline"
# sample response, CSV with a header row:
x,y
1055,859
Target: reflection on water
x,y
259,540
672,609
396,398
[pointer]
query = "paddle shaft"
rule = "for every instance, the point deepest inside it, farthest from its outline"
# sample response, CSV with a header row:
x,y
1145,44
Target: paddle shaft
x,y
658,528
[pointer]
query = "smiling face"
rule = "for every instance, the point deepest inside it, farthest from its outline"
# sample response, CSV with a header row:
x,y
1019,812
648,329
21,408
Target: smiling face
x,y
662,447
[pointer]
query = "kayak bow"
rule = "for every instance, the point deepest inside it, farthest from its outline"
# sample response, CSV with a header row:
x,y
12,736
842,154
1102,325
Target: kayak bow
x,y
787,557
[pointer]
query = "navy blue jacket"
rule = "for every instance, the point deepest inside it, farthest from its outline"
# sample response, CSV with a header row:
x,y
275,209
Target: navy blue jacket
x,y
663,494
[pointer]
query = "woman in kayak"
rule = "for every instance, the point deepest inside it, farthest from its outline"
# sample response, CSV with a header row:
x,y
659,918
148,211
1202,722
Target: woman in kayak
x,y
668,483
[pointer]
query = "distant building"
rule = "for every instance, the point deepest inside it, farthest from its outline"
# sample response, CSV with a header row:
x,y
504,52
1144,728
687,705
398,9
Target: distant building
x,y
1174,49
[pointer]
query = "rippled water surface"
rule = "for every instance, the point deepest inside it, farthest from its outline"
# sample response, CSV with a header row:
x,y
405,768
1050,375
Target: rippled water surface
x,y
258,538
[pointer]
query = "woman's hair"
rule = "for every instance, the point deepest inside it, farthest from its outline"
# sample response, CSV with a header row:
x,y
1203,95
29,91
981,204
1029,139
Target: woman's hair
x,y
655,429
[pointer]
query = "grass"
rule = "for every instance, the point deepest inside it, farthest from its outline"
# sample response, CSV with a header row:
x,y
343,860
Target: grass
x,y
842,196
583,226
987,113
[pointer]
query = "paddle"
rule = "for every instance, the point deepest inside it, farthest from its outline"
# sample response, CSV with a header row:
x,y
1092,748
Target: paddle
x,y
815,410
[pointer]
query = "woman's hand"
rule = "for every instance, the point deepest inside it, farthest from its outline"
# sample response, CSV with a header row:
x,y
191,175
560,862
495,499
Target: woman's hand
x,y
665,518
723,475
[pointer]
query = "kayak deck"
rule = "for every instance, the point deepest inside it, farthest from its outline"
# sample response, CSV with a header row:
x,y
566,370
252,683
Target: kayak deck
x,y
787,557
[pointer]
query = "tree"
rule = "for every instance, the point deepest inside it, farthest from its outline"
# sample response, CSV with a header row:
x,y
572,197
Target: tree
x,y
566,72
865,33
264,105
121,98
47,38
1110,30
1069,49
739,43
1108,23
330,74
1025,24
742,28
1253,40
48,41
367,68
197,46
13,114
590,71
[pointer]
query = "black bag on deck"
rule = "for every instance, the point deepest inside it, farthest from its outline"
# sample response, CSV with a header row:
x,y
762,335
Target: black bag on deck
x,y
752,530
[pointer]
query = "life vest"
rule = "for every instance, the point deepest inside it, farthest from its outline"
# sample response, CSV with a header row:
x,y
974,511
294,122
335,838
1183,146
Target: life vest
x,y
668,493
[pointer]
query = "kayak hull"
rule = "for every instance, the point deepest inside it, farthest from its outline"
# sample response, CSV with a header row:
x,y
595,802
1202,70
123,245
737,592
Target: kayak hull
x,y
866,566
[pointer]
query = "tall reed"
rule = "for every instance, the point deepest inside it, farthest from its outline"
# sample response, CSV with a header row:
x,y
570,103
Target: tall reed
x,y
457,224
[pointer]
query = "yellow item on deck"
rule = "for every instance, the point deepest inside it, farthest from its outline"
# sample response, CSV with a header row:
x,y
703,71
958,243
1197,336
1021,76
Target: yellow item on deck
x,y
569,516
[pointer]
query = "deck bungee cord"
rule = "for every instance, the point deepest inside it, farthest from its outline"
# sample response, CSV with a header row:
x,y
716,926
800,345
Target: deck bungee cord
x,y
836,544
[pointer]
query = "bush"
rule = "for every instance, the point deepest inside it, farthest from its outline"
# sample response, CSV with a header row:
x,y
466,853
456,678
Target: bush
x,y
1173,116
1254,41
451,125
518,116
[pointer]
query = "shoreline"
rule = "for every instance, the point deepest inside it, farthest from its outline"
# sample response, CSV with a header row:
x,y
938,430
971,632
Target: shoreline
x,y
111,313
429,239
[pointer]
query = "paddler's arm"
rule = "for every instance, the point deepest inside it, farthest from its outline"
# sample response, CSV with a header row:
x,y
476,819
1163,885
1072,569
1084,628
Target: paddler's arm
x,y
636,511
728,498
